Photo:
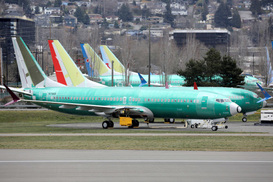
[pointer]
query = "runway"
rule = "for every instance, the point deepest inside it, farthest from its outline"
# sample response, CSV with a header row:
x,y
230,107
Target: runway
x,y
116,165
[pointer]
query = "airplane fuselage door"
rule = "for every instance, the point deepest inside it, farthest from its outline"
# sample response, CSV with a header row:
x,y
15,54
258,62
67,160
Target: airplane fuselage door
x,y
124,100
204,102
44,96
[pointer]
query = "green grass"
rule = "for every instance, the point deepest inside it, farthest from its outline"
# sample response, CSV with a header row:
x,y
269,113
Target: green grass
x,y
37,121
189,143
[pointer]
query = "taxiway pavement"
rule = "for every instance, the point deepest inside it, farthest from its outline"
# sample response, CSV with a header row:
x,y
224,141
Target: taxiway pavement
x,y
123,165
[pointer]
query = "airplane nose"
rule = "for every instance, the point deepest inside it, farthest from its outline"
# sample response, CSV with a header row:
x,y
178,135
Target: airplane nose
x,y
264,103
234,109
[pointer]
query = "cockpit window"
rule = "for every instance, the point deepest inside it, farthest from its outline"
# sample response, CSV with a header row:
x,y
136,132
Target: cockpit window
x,y
255,96
223,100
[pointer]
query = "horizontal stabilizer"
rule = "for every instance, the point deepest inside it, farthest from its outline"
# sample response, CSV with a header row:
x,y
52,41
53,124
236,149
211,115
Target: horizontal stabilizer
x,y
14,97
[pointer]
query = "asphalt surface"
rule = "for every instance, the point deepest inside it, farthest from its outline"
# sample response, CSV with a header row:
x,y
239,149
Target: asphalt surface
x,y
116,166
178,126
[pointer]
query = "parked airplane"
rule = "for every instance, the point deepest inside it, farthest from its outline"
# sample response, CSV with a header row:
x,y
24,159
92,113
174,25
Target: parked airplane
x,y
92,60
247,100
107,55
123,102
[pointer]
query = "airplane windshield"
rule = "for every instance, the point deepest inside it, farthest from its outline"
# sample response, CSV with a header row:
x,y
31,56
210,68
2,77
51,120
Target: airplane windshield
x,y
223,100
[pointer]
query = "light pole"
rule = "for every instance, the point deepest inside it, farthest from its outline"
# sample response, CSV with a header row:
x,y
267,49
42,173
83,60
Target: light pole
x,y
253,65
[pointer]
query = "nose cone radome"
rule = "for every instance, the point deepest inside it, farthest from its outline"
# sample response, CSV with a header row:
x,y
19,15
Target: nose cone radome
x,y
234,109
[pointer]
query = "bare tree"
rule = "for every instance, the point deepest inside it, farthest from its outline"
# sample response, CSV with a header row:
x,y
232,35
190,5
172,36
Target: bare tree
x,y
126,45
193,49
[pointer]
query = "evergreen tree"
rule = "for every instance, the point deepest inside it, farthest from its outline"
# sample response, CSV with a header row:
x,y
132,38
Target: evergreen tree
x,y
116,24
194,72
213,70
125,14
230,73
168,16
145,12
57,3
86,19
82,16
236,19
48,4
37,10
213,64
222,16
205,11
255,7
97,10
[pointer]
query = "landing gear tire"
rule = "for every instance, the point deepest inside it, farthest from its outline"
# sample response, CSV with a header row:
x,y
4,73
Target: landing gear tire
x,y
172,120
244,119
196,125
214,128
135,123
192,126
106,124
152,120
111,124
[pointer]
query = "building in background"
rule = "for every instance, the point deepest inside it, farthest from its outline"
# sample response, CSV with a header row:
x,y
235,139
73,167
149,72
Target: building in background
x,y
216,38
14,26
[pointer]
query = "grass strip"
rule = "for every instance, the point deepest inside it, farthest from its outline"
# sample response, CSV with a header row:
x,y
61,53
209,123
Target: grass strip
x,y
177,143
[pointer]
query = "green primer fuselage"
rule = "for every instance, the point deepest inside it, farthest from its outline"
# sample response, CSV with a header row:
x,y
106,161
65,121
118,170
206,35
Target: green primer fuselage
x,y
246,99
162,102
134,80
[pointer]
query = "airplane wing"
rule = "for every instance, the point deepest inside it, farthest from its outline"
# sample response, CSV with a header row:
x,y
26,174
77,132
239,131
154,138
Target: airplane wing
x,y
101,110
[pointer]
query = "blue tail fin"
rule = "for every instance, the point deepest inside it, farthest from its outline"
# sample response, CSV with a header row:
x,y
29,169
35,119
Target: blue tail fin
x,y
143,81
267,96
87,62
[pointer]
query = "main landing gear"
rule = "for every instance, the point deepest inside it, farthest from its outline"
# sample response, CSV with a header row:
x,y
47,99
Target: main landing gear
x,y
244,119
107,124
135,124
169,120
124,121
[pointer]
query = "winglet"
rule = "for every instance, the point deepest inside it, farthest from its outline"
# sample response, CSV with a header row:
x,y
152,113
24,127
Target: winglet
x,y
14,97
267,96
143,81
195,86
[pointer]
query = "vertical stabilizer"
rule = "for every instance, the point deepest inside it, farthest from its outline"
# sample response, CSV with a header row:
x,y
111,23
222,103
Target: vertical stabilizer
x,y
31,73
108,57
58,69
71,73
93,62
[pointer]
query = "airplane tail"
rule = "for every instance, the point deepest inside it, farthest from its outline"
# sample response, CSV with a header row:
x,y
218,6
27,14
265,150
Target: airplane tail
x,y
143,81
31,74
67,69
93,62
267,96
108,57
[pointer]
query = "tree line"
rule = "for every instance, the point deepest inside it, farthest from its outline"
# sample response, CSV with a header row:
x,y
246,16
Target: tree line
x,y
212,70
